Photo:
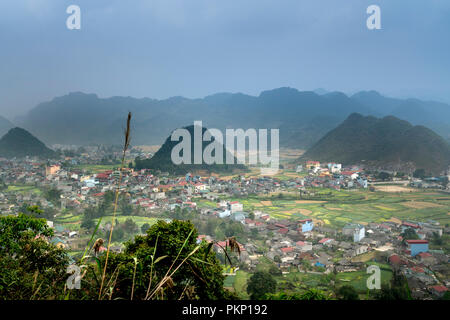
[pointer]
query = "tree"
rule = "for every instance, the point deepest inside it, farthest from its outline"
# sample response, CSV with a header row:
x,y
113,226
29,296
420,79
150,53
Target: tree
x,y
310,294
251,215
53,195
409,234
419,173
445,181
436,239
125,207
28,261
180,268
347,292
145,227
274,270
398,290
383,176
260,284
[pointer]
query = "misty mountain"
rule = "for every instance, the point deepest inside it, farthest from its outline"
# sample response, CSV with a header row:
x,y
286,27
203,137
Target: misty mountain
x,y
5,125
434,115
303,117
388,140
20,143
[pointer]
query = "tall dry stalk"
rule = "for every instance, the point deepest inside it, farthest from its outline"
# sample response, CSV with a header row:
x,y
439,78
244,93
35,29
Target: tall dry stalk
x,y
125,147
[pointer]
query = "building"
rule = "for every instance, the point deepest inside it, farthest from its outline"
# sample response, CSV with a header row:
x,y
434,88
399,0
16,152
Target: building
x,y
409,225
312,164
52,170
235,206
357,231
335,167
417,246
306,225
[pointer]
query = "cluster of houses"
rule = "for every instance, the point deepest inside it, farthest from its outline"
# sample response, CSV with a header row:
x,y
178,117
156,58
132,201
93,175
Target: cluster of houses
x,y
304,245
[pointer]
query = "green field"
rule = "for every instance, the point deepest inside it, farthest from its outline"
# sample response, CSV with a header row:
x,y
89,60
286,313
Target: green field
x,y
337,208
96,168
23,189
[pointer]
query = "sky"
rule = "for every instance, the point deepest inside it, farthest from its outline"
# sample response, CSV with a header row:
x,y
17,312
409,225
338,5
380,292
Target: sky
x,y
194,48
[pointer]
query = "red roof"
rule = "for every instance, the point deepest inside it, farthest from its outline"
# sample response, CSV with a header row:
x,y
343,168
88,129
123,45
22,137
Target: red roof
x,y
300,243
279,225
288,249
304,220
412,225
395,259
424,254
417,269
283,230
439,288
417,241
99,194
324,240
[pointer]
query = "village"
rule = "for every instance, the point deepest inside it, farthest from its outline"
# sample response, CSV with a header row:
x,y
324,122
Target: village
x,y
302,241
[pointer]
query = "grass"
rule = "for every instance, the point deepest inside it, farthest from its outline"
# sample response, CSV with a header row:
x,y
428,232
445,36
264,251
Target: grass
x,y
96,168
23,189
137,219
240,284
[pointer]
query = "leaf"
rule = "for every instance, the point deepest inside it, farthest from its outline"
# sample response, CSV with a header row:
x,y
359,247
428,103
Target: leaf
x,y
201,261
208,250
159,259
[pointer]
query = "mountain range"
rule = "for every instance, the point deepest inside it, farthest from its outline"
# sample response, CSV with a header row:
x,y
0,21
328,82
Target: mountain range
x,y
303,117
386,141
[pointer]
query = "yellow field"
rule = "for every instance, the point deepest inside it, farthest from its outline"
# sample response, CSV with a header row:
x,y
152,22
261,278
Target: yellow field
x,y
421,205
395,220
394,189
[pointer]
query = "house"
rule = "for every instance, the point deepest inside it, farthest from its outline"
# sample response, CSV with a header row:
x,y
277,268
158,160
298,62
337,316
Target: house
x,y
49,170
409,225
235,206
438,291
396,261
361,249
325,241
310,165
306,225
417,246
426,258
224,214
239,216
335,167
357,231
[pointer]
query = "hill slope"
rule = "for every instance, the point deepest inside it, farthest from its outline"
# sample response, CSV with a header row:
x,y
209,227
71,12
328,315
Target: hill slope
x,y
162,159
20,143
382,141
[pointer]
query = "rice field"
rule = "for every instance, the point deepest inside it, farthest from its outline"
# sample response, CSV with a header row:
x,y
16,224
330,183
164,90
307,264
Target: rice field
x,y
337,208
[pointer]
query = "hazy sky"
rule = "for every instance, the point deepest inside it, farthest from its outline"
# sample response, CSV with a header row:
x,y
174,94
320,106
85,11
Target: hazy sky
x,y
193,48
